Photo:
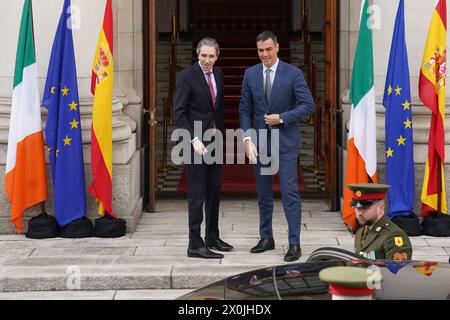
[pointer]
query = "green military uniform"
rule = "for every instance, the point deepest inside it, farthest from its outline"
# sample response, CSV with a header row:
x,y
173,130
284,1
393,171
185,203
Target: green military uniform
x,y
384,240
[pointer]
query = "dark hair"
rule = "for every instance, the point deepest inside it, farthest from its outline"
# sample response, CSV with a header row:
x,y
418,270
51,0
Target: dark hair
x,y
266,35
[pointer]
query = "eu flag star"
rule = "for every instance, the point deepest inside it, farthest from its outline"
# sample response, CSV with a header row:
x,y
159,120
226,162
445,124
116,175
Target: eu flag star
x,y
67,141
57,153
390,153
65,91
73,106
398,91
406,105
390,90
401,141
408,124
52,90
74,124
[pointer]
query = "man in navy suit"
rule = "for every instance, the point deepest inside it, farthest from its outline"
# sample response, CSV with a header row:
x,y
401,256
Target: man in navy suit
x,y
199,98
275,97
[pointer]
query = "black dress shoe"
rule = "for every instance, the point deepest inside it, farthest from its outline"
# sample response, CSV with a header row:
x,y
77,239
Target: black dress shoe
x,y
293,254
219,245
263,245
204,253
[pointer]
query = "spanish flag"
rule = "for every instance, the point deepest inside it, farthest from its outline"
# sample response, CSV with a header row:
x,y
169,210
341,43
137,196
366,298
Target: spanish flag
x,y
432,94
25,180
101,132
361,164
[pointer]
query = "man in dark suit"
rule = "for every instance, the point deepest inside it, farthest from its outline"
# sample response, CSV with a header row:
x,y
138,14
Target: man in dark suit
x,y
199,98
275,96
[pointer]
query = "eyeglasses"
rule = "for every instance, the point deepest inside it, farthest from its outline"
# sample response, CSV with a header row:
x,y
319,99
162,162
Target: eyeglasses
x,y
362,203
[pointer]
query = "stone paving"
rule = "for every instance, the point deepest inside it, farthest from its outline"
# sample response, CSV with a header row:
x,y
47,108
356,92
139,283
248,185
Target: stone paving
x,y
151,263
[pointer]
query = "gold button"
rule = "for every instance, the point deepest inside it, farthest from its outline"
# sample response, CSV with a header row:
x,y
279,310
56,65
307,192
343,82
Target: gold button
x,y
358,193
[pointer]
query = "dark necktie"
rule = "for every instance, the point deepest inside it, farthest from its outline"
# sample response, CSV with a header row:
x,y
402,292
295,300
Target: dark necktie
x,y
211,89
268,85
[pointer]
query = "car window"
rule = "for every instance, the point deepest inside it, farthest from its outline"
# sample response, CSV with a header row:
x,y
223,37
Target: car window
x,y
301,281
254,285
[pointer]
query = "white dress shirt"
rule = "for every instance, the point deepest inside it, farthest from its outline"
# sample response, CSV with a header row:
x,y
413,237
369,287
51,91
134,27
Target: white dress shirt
x,y
272,74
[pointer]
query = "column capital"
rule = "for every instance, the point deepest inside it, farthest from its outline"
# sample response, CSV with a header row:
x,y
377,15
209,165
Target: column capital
x,y
123,128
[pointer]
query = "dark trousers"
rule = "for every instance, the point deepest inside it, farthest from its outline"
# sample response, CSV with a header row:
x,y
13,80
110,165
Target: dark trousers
x,y
290,199
204,183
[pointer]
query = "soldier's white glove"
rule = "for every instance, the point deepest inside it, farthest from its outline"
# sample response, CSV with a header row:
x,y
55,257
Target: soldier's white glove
x,y
199,147
250,151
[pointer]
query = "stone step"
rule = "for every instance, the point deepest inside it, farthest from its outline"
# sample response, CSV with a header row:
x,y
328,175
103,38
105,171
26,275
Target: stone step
x,y
117,277
97,277
170,294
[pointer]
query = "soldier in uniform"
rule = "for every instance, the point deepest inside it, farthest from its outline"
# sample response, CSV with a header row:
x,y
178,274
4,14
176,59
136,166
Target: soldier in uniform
x,y
377,237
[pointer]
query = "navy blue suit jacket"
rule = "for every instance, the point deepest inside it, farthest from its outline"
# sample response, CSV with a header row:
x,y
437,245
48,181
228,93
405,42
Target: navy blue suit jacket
x,y
290,98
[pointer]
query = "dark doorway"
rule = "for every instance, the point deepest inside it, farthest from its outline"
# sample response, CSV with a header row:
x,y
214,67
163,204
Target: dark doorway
x,y
235,24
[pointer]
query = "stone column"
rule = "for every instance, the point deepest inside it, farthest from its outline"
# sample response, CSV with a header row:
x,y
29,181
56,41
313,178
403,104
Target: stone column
x,y
348,35
417,19
127,199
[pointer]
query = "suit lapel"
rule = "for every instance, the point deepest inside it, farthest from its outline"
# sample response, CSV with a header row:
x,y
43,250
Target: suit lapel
x,y
370,239
359,239
217,78
260,83
279,76
200,77
374,235
219,85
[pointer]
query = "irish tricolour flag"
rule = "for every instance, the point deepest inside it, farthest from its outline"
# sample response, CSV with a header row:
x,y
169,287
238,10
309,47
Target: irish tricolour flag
x,y
25,166
361,147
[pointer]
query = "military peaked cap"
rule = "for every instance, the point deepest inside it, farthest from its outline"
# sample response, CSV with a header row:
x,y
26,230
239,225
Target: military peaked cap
x,y
366,194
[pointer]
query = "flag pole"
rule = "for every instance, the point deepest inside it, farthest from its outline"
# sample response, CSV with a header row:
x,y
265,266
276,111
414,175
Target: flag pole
x,y
34,41
439,189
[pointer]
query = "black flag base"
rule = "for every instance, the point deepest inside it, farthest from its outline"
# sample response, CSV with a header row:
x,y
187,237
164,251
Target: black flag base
x,y
436,224
43,226
109,227
79,228
409,223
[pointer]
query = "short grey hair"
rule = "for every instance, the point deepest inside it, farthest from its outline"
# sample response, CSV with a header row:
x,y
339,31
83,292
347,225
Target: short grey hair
x,y
208,42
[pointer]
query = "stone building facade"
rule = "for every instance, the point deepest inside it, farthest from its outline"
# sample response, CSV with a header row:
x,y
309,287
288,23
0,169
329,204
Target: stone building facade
x,y
417,20
127,102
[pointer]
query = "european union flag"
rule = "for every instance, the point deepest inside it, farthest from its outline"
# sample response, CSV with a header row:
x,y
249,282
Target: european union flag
x,y
63,128
399,129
